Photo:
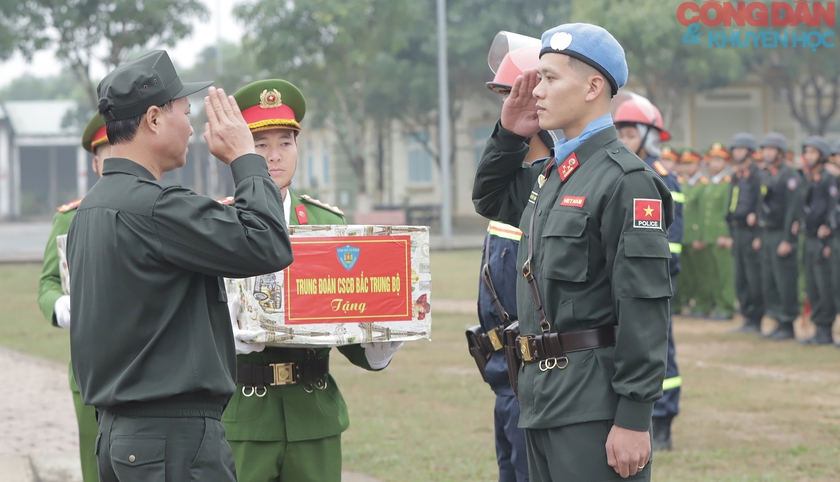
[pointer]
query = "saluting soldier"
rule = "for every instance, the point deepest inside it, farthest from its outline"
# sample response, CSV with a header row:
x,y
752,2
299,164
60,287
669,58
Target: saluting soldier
x,y
778,221
820,199
714,206
692,284
641,128
55,305
593,301
150,334
742,216
288,429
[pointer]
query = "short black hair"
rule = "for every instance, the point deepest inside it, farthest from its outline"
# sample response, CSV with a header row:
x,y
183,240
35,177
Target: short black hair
x,y
123,130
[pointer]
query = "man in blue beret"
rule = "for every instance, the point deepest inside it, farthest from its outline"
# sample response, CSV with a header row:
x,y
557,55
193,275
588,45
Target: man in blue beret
x,y
593,301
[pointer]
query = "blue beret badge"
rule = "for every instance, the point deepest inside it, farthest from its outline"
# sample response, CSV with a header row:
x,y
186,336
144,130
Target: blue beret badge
x,y
561,40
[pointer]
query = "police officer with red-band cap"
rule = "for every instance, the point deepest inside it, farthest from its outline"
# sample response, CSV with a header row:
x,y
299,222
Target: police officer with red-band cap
x,y
593,298
641,127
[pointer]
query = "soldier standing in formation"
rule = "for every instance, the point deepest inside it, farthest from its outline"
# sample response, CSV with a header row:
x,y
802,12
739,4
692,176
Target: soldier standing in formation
x,y
641,128
820,199
288,429
55,305
743,206
713,207
778,222
692,284
593,304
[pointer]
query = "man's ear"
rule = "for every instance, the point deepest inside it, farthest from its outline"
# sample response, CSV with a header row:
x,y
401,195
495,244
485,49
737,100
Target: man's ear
x,y
596,85
154,118
95,165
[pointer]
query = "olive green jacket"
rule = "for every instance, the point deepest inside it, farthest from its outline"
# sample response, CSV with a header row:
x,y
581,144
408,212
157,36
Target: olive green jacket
x,y
290,412
714,205
597,263
147,259
692,211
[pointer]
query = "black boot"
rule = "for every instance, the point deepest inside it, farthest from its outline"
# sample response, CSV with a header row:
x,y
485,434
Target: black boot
x,y
782,332
821,337
662,434
751,325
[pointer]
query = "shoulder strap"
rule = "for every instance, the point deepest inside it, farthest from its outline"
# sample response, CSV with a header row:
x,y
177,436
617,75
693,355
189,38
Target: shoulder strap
x,y
503,315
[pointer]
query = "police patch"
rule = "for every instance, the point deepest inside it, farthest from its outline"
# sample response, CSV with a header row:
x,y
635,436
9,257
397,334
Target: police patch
x,y
573,201
647,213
347,256
791,183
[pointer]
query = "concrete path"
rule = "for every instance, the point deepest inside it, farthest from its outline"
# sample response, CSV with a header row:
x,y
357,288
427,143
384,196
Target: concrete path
x,y
38,433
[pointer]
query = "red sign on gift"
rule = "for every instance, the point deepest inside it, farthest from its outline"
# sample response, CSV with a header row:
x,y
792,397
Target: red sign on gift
x,y
349,280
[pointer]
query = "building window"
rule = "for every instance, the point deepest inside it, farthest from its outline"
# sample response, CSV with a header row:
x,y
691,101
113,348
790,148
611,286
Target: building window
x,y
480,136
325,163
419,159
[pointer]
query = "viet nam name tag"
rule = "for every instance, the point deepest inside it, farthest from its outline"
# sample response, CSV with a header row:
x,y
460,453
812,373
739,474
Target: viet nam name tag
x,y
573,201
647,213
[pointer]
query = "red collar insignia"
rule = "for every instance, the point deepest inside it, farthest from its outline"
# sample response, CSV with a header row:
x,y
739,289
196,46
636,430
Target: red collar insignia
x,y
301,214
568,167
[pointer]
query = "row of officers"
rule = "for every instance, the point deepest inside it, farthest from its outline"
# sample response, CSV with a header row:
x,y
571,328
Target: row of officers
x,y
757,221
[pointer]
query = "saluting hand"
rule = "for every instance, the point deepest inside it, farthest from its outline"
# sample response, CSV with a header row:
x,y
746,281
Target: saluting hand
x,y
226,132
519,112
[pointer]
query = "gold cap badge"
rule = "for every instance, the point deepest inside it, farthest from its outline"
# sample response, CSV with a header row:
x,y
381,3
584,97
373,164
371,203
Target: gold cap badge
x,y
269,100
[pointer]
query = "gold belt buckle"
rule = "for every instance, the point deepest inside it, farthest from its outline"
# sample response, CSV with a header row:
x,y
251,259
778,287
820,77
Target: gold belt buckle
x,y
524,348
493,335
283,374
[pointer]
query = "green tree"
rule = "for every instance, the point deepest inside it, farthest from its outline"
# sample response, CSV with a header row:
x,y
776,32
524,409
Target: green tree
x,y
656,56
87,31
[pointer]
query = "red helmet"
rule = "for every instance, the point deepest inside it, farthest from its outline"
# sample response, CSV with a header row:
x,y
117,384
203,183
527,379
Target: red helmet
x,y
639,110
510,55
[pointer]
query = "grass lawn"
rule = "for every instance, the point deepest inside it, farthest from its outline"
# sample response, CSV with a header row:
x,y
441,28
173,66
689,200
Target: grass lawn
x,y
751,410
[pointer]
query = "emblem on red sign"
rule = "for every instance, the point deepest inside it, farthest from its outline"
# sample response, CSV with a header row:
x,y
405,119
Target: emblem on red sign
x,y
568,167
573,201
647,213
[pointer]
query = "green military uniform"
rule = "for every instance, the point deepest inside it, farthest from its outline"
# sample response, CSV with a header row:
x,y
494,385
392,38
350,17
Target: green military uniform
x,y
781,205
596,266
49,290
150,335
714,204
691,284
291,434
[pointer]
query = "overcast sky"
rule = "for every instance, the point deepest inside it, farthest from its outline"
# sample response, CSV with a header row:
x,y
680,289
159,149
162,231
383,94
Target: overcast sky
x,y
44,63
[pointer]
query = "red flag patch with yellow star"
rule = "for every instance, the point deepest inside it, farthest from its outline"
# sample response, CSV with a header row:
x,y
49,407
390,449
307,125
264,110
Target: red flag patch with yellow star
x,y
647,213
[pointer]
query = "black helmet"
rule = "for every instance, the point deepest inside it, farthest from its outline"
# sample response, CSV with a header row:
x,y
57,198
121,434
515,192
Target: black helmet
x,y
774,139
743,139
819,143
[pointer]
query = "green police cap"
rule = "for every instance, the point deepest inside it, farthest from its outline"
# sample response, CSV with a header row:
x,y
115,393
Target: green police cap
x,y
95,133
271,104
130,89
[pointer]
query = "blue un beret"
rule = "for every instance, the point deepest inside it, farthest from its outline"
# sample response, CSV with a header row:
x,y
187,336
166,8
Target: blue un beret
x,y
592,45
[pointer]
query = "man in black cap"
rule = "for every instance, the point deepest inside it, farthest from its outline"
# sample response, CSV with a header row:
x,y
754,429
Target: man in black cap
x,y
744,195
151,340
778,222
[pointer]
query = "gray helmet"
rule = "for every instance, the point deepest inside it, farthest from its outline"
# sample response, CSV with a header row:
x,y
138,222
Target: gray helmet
x,y
743,139
819,143
774,139
836,149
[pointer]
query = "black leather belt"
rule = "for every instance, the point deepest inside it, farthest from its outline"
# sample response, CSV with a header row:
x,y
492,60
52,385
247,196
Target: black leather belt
x,y
311,372
554,346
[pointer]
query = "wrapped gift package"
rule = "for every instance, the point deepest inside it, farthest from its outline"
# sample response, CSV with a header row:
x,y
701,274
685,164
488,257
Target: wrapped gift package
x,y
348,284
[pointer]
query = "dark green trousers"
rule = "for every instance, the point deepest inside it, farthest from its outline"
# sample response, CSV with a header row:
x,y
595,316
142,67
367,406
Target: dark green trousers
x,y
779,277
147,449
722,280
574,453
818,282
704,272
316,460
834,263
88,430
747,274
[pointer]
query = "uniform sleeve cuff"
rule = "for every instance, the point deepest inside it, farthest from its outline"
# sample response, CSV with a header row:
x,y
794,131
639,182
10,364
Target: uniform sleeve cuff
x,y
507,141
633,415
247,166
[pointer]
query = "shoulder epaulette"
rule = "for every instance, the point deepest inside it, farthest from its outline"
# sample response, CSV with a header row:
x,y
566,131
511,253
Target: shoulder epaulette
x,y
69,206
704,180
322,204
628,161
226,200
660,168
